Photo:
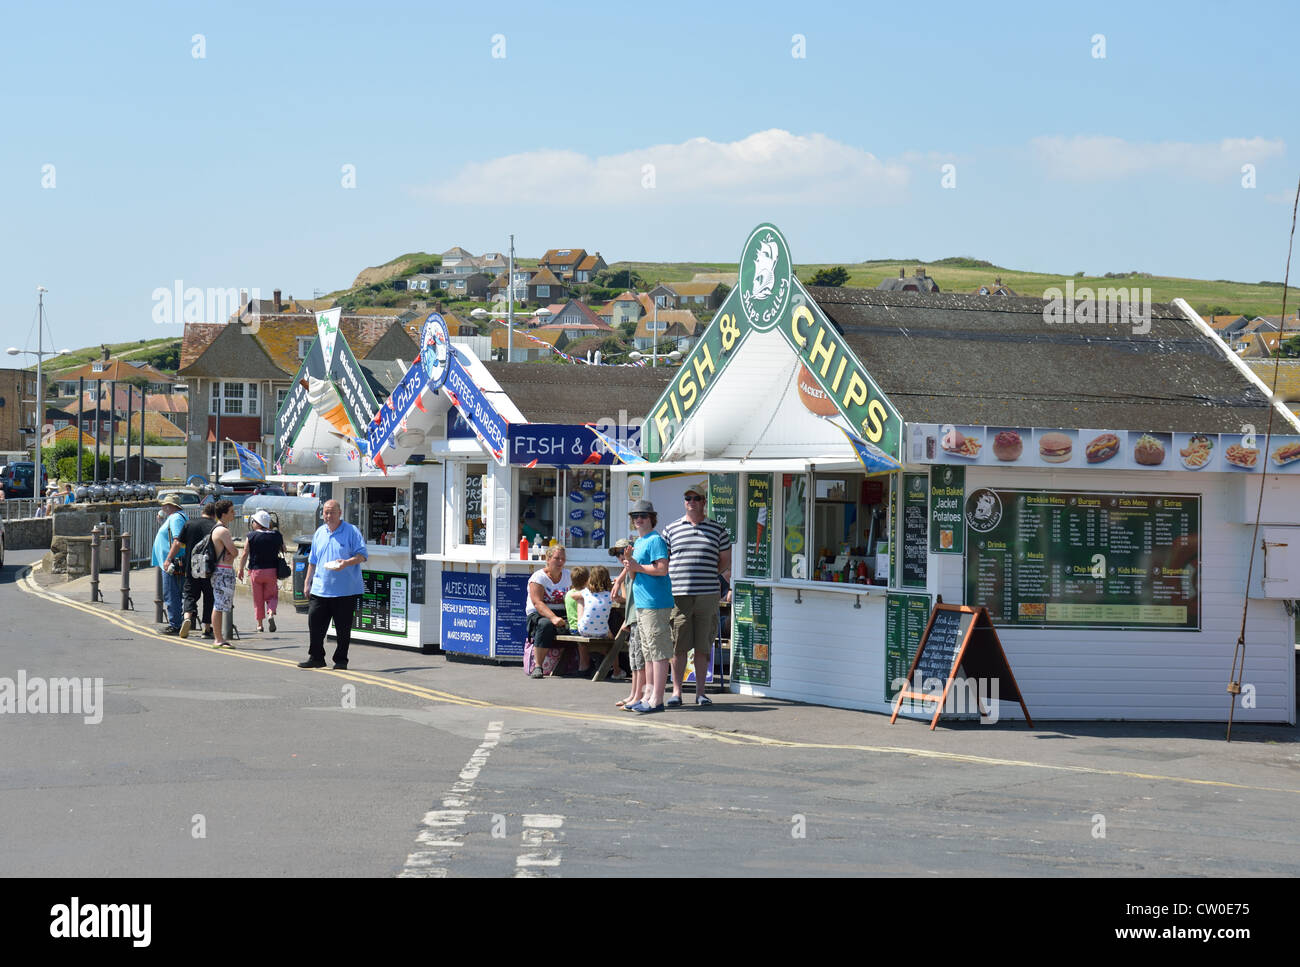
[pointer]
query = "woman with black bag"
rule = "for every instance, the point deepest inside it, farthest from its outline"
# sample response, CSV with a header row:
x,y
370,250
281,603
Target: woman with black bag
x,y
262,553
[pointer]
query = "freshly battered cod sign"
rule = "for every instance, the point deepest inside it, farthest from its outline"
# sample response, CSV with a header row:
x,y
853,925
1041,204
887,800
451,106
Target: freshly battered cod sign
x,y
768,296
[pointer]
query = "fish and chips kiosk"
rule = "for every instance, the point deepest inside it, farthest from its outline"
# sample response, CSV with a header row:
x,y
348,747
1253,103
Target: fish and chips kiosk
x,y
528,455
1094,487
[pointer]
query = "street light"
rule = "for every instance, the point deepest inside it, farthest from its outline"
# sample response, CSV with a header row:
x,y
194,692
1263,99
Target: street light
x,y
40,354
675,356
482,315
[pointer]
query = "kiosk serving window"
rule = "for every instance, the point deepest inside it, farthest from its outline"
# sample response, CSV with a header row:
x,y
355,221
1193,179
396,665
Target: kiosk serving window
x,y
472,511
571,506
382,514
835,527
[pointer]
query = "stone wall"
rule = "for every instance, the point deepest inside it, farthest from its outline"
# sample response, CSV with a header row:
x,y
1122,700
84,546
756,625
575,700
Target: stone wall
x,y
28,533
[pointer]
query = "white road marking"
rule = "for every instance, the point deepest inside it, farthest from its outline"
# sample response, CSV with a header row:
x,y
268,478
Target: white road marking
x,y
542,836
443,829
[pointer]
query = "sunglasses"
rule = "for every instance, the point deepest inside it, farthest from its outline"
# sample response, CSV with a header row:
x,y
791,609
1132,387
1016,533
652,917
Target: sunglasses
x,y
639,516
693,498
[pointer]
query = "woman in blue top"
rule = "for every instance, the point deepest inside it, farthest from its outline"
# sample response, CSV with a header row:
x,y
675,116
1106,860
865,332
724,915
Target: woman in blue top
x,y
653,590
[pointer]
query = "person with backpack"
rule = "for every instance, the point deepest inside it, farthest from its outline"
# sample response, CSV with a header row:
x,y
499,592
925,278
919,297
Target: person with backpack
x,y
196,585
171,521
223,575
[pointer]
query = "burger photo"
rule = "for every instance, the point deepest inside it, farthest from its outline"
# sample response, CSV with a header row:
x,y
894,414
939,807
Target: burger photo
x,y
1054,447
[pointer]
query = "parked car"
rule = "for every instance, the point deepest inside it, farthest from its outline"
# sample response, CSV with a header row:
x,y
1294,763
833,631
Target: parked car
x,y
16,478
186,496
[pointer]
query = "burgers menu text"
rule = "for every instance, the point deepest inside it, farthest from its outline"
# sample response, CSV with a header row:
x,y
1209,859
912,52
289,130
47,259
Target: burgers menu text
x,y
1084,560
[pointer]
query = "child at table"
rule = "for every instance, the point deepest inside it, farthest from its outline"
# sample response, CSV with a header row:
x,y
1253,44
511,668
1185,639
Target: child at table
x,y
573,598
596,605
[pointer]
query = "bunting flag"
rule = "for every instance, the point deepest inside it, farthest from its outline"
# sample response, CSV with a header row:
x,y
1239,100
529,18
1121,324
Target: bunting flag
x,y
379,462
250,464
872,458
321,457
419,403
622,452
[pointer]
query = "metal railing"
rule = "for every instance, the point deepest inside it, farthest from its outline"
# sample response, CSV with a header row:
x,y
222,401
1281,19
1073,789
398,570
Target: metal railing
x,y
142,524
20,508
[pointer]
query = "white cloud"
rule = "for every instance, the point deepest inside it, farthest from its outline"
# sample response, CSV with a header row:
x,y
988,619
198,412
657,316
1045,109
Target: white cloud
x,y
1097,158
771,166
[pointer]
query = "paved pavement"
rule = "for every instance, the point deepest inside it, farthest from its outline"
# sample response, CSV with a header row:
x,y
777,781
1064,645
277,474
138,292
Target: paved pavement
x,y
417,765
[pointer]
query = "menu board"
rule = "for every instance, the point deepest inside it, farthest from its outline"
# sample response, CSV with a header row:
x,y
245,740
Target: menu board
x,y
905,619
942,643
722,503
751,634
758,519
381,607
1060,559
947,495
509,615
419,538
916,520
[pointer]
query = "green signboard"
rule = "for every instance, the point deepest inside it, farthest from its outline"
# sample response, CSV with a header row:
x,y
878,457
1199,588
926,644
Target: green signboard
x,y
947,497
915,523
751,634
722,502
758,523
906,616
1060,559
382,605
768,296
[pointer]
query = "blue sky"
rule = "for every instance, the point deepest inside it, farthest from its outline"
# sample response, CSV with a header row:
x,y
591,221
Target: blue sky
x,y
227,170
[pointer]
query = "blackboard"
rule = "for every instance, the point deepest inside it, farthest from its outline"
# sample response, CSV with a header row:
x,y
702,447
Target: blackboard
x,y
916,521
906,616
419,539
960,648
939,648
474,497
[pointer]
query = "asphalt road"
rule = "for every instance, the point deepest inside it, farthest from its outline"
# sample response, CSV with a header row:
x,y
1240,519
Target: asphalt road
x,y
238,763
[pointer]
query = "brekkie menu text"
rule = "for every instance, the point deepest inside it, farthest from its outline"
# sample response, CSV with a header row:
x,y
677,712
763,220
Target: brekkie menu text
x,y
1084,560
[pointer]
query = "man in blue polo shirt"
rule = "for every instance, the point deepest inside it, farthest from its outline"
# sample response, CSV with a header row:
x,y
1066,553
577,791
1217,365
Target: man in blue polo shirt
x,y
334,583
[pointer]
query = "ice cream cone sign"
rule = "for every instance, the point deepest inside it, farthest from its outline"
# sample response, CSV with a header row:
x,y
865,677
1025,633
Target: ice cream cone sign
x,y
812,396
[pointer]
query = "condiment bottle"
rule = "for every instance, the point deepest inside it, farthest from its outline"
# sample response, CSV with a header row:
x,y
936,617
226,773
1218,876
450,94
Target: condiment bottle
x,y
523,548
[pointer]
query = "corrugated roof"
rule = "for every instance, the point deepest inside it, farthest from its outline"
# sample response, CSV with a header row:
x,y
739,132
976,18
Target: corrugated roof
x,y
971,360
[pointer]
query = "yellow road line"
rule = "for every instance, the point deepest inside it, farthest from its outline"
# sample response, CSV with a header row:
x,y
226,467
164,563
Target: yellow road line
x,y
27,583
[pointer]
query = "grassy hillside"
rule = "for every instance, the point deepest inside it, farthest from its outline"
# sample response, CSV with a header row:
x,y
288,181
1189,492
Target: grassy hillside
x,y
137,349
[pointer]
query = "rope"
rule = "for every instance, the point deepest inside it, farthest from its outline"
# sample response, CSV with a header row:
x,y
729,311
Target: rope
x,y
1239,651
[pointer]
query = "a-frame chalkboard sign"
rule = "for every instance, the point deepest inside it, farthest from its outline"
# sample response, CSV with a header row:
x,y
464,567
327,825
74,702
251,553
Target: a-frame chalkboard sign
x,y
961,639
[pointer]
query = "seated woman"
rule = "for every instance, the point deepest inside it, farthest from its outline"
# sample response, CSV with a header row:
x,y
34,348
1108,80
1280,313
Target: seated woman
x,y
546,615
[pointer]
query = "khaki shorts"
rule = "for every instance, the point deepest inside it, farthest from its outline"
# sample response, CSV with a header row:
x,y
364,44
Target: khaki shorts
x,y
695,623
655,634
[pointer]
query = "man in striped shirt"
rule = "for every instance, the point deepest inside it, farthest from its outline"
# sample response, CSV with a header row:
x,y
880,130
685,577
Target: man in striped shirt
x,y
698,551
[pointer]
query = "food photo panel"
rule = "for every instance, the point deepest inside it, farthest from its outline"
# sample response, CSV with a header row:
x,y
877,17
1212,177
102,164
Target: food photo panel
x,y
1284,454
1241,451
1197,451
1056,448
1102,448
964,442
1151,451
1006,444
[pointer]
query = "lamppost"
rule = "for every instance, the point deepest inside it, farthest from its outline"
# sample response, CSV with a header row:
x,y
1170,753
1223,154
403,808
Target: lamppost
x,y
40,355
185,388
674,356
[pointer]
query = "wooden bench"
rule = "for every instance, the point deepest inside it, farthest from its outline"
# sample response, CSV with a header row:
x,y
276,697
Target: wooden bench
x,y
608,646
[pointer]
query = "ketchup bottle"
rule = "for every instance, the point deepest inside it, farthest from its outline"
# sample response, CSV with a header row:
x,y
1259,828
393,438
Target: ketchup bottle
x,y
523,548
